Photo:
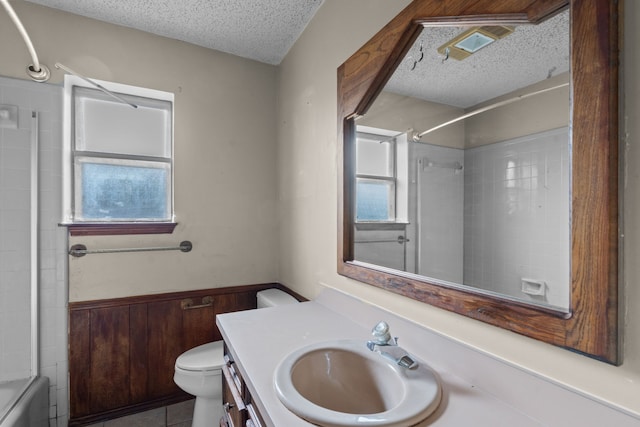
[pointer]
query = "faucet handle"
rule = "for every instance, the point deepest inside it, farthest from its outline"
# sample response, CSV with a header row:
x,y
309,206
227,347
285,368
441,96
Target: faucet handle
x,y
381,333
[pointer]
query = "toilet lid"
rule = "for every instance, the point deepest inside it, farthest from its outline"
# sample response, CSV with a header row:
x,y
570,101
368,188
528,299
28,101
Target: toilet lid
x,y
202,358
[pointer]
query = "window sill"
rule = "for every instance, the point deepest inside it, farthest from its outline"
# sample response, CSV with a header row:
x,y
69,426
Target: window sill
x,y
117,229
381,225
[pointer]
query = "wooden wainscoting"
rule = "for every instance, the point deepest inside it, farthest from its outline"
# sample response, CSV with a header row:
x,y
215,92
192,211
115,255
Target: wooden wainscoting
x,y
122,351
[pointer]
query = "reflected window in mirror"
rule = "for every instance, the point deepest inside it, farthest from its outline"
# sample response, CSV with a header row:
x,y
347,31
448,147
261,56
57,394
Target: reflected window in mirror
x,y
381,211
375,178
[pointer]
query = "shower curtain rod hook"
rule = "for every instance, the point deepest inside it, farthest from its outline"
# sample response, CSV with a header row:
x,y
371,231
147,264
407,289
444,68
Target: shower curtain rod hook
x,y
41,75
37,71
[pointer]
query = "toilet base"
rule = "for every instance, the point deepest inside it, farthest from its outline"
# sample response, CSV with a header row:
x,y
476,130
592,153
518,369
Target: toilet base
x,y
207,412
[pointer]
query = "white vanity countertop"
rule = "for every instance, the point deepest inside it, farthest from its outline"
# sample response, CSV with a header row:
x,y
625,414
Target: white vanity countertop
x,y
477,390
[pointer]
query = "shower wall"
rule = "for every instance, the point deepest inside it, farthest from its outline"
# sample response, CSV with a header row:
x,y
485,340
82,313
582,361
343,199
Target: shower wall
x,y
439,198
15,349
502,225
15,253
517,216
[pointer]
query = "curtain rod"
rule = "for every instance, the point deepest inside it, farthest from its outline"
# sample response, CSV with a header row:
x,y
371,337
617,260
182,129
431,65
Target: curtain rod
x,y
91,82
37,71
417,136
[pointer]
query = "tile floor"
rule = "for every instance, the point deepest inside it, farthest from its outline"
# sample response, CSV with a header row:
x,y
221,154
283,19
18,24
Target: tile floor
x,y
178,415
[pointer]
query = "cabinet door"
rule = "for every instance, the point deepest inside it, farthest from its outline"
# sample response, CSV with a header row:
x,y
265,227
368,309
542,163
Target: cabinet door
x,y
234,407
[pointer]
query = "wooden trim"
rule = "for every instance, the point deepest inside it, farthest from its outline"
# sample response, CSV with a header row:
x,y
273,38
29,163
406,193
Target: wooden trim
x,y
591,326
169,296
120,228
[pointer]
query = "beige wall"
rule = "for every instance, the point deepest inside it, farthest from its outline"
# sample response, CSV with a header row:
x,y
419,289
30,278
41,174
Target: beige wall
x,y
307,191
548,110
225,153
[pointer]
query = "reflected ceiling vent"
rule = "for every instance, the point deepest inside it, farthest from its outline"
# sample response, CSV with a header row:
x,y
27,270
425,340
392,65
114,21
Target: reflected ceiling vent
x,y
473,40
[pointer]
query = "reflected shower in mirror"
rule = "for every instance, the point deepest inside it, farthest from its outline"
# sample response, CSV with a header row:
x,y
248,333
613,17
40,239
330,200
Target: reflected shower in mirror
x,y
463,163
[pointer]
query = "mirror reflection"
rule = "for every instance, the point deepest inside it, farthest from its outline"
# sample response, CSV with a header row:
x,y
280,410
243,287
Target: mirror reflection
x,y
464,163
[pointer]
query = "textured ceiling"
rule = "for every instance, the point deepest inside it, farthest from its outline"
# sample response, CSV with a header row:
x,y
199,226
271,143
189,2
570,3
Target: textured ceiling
x,y
263,30
530,54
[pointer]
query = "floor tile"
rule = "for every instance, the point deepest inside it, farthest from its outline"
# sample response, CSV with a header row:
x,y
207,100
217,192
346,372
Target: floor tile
x,y
152,418
180,412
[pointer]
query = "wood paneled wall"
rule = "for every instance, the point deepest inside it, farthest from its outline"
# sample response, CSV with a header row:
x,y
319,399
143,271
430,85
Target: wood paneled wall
x,y
122,351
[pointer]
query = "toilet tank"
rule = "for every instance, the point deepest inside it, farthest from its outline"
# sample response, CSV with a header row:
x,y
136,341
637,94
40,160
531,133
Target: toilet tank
x,y
274,297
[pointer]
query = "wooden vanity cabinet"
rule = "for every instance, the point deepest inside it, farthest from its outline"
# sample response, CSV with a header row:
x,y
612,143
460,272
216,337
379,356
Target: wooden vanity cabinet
x,y
236,399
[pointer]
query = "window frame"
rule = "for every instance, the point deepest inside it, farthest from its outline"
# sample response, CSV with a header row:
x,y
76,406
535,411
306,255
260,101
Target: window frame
x,y
80,227
392,178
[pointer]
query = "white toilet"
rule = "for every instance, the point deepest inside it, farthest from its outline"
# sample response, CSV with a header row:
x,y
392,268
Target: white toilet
x,y
198,371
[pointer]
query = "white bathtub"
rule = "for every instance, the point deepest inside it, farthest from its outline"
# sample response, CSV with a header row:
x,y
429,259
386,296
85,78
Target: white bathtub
x,y
32,407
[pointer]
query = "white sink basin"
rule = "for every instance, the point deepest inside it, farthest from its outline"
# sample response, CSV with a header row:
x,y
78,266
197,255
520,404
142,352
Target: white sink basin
x,y
343,383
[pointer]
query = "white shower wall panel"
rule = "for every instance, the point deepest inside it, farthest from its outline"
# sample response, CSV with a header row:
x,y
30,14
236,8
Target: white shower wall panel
x,y
15,176
517,216
438,188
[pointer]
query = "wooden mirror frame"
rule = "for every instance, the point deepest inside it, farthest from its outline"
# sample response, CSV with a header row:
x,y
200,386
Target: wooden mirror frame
x,y
591,326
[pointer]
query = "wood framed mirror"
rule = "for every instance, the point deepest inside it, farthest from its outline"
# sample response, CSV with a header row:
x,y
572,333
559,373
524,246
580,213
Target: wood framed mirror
x,y
589,322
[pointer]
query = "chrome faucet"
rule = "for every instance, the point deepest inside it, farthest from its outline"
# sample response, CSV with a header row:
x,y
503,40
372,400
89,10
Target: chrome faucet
x,y
382,338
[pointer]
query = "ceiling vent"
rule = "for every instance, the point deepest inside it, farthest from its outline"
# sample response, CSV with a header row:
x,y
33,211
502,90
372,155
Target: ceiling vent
x,y
472,40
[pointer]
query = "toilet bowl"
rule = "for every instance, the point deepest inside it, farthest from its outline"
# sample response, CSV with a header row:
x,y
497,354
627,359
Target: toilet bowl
x,y
198,371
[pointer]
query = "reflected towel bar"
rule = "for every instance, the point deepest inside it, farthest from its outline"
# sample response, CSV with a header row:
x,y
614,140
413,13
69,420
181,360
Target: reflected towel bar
x,y
428,163
400,239
79,250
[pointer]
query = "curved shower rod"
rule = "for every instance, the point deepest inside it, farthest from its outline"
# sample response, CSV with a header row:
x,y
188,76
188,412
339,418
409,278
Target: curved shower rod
x,y
416,136
37,71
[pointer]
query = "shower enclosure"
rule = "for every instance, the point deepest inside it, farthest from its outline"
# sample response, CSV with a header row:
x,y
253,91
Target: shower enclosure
x,y
18,254
32,256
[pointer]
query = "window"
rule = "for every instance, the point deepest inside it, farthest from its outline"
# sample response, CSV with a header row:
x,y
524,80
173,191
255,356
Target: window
x,y
375,178
118,159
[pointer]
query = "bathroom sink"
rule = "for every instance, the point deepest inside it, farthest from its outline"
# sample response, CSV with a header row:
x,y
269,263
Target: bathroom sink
x,y
343,383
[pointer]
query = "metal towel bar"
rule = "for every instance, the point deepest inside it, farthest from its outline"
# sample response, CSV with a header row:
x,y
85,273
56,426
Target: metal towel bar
x,y
79,250
400,239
